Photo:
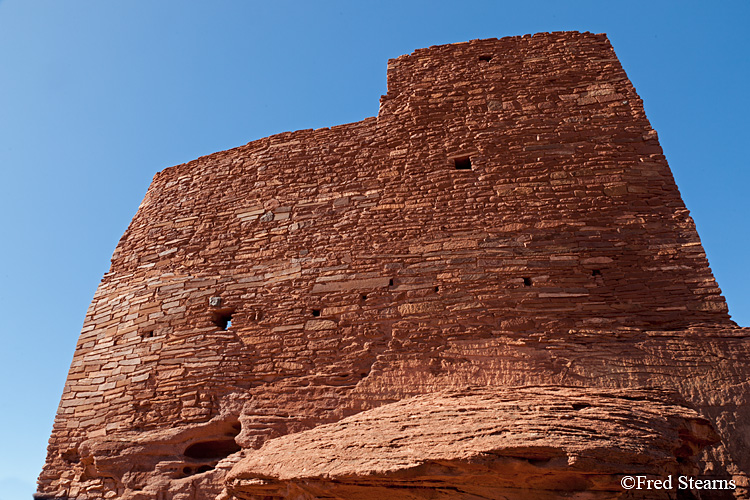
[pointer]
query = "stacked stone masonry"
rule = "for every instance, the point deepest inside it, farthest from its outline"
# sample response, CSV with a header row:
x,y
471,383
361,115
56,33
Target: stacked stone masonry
x,y
508,220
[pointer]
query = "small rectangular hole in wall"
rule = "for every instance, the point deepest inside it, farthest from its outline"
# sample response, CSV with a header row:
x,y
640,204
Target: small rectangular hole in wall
x,y
596,272
316,312
222,318
527,282
390,282
485,58
463,163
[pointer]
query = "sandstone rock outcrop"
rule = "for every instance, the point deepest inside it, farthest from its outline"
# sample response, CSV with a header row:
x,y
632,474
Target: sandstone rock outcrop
x,y
506,233
533,442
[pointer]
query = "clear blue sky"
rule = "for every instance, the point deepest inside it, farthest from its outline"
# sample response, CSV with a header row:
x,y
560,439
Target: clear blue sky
x,y
96,97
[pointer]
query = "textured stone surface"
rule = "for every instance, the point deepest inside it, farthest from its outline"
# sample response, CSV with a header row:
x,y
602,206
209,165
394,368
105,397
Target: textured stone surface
x,y
534,442
364,264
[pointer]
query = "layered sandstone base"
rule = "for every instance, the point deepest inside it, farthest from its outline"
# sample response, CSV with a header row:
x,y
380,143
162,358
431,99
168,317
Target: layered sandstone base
x,y
532,443
505,233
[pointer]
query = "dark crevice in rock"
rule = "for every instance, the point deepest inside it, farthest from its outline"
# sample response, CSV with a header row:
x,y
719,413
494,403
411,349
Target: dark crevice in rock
x,y
213,449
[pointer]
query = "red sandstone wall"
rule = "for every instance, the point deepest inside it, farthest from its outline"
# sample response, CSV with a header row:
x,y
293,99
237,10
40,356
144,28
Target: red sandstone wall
x,y
334,248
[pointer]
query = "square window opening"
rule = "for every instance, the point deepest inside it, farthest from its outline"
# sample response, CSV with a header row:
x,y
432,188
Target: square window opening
x,y
222,318
463,163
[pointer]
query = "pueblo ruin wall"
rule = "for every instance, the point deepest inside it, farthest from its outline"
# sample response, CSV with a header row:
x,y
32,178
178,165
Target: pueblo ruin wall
x,y
493,288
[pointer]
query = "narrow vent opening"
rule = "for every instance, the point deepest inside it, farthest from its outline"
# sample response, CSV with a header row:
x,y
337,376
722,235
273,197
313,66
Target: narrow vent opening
x,y
596,272
527,282
316,312
485,58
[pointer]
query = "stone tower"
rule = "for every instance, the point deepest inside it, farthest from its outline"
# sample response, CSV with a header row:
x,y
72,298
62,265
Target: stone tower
x,y
493,288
